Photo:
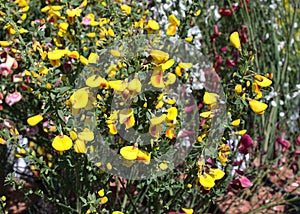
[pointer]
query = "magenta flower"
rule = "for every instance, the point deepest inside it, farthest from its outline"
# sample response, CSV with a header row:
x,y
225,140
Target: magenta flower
x,y
245,182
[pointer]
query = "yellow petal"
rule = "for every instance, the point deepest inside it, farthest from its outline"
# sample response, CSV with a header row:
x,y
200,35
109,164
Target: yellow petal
x,y
189,39
171,30
258,107
80,146
118,85
210,98
115,53
125,8
235,40
171,79
144,156
86,135
206,181
207,114
172,113
163,166
112,129
158,120
262,81
155,130
238,88
80,98
185,65
187,211
173,20
135,85
168,64
159,56
94,81
152,24
62,143
157,79
101,192
236,122
129,152
170,133
93,58
217,174
34,120
4,43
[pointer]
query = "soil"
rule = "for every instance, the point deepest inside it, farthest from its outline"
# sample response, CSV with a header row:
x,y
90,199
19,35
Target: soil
x,y
265,196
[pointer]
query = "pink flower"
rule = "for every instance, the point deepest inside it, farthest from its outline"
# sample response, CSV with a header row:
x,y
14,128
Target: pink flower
x,y
189,108
13,98
86,21
245,182
5,68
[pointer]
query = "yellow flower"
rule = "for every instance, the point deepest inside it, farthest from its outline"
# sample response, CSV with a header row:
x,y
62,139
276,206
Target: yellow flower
x,y
241,132
216,174
73,54
55,56
101,192
96,81
159,56
125,8
235,40
80,98
165,66
117,212
83,60
126,116
62,143
171,30
135,85
187,210
189,39
157,79
34,120
112,129
4,43
86,135
73,135
170,133
186,65
72,13
210,98
257,106
206,181
83,4
262,81
207,114
143,156
236,122
153,25
3,198
104,200
129,152
80,147
118,85
238,88
173,20
163,166
158,120
115,53
172,113
93,58
198,12
2,141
